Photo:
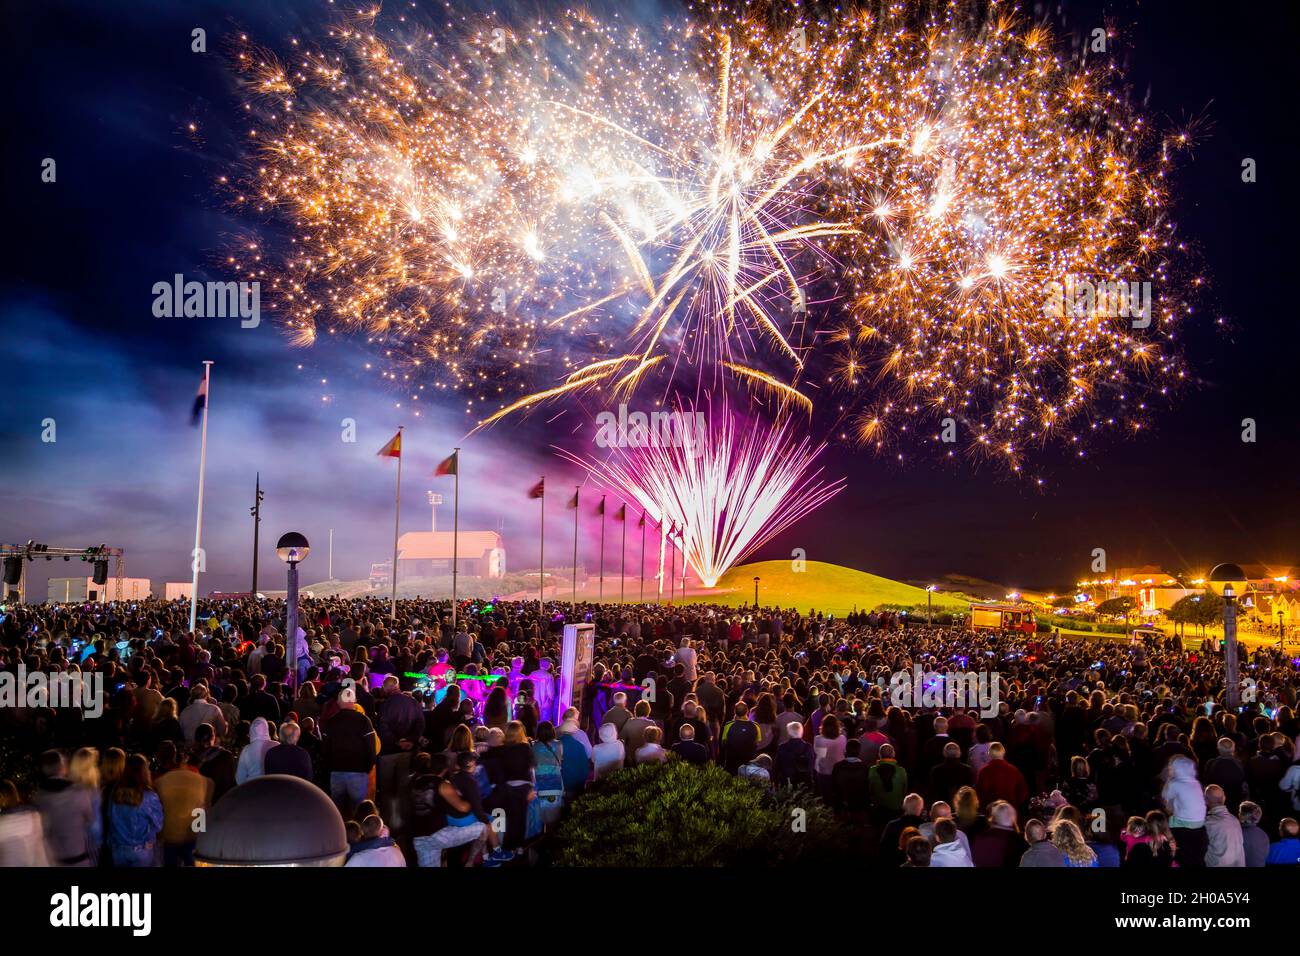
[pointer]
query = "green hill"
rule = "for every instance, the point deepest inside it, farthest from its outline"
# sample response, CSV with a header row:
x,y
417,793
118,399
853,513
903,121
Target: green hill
x,y
831,588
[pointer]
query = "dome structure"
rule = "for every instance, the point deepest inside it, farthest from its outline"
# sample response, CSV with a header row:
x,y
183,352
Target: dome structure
x,y
273,820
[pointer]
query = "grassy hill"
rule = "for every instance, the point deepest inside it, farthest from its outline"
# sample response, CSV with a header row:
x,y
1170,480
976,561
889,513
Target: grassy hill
x,y
831,588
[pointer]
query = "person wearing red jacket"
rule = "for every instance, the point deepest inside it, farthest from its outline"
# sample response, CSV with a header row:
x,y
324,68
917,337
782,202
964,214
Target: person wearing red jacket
x,y
1000,780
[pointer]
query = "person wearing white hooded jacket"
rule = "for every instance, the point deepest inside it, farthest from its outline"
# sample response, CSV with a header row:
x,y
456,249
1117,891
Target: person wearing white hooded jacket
x,y
948,850
1185,802
607,756
252,757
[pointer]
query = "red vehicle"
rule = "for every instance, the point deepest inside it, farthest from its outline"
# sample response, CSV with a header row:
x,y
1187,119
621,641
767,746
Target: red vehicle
x,y
1002,617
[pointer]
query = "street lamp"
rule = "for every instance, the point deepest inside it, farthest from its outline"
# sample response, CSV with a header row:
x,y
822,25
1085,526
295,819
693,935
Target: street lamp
x,y
1281,630
1225,574
929,604
756,593
292,548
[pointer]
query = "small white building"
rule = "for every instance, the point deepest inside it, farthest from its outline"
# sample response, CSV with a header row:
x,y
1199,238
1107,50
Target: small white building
x,y
85,590
177,590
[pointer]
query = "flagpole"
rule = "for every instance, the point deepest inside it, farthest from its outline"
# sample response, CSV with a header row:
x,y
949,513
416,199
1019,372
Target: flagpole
x,y
672,570
397,522
541,558
622,558
576,492
198,521
642,557
455,536
659,595
600,599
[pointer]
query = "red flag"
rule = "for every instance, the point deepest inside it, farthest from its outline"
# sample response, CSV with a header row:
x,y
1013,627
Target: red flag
x,y
393,449
538,490
601,509
641,523
573,502
622,514
448,466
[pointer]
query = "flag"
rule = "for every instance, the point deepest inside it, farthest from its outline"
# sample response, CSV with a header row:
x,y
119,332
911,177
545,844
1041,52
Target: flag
x,y
393,449
448,466
573,502
641,523
538,490
621,514
601,509
200,401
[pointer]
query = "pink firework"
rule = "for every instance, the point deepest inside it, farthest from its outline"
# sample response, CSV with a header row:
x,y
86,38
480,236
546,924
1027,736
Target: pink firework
x,y
727,488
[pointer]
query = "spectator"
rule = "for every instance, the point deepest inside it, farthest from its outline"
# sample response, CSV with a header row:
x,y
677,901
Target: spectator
x,y
948,851
607,756
135,816
1253,838
1001,780
349,745
1042,851
186,796
288,757
1000,844
1185,801
1286,851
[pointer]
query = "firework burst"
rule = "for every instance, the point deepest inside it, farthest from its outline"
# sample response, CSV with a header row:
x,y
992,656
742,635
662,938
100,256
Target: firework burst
x,y
727,487
1017,179
620,205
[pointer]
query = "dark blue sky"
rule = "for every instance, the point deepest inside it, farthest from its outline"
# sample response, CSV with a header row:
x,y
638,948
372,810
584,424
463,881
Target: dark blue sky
x,y
108,90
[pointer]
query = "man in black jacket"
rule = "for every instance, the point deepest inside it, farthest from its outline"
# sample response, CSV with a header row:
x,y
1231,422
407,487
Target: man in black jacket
x,y
348,749
289,757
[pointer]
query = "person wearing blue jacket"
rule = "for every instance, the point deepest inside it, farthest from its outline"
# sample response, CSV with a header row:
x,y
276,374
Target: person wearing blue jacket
x,y
135,816
1286,851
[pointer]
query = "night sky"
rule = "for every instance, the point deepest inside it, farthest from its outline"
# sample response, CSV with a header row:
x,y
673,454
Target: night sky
x,y
108,91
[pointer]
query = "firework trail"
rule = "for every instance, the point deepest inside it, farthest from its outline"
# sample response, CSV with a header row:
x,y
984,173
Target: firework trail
x,y
728,487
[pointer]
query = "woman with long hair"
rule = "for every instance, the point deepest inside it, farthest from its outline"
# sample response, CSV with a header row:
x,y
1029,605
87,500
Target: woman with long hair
x,y
112,763
496,709
1067,838
966,810
135,816
547,774
1150,842
83,771
511,770
462,741
306,704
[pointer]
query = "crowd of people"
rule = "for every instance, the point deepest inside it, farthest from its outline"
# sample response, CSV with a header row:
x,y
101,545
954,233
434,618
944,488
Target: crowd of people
x,y
442,742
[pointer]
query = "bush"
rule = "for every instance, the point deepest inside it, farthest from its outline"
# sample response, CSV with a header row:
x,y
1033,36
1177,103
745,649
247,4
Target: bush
x,y
677,814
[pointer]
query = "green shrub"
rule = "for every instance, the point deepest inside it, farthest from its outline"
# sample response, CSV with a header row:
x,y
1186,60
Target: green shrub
x,y
677,814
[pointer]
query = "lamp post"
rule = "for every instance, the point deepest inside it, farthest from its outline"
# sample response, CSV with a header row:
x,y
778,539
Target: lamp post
x,y
1226,574
292,548
1281,630
929,604
755,593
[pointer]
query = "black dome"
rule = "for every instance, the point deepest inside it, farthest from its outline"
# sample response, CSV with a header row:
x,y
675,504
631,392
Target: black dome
x,y
1227,572
273,820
